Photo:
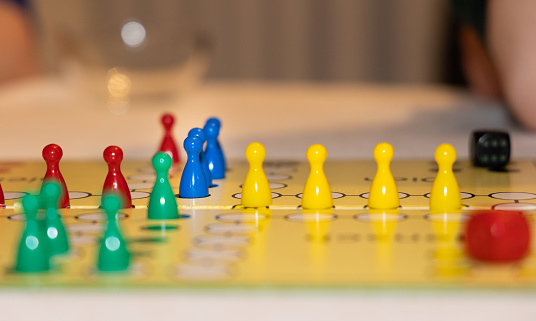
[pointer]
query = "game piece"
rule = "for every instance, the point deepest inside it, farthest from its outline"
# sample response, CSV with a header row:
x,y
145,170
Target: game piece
x,y
2,198
193,181
200,133
32,255
490,149
497,236
256,188
383,192
162,203
58,242
52,154
445,194
168,143
316,193
213,151
217,122
113,252
217,242
115,182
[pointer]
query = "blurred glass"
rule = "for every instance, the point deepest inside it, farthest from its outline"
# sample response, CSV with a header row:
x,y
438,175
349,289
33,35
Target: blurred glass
x,y
123,50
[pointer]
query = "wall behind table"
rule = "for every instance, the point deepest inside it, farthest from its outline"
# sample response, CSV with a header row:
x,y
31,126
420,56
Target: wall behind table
x,y
364,40
345,40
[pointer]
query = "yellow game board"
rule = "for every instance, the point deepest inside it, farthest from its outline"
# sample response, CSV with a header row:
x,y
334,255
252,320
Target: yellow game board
x,y
216,243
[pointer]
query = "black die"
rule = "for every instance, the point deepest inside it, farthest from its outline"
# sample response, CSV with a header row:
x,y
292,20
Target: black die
x,y
490,148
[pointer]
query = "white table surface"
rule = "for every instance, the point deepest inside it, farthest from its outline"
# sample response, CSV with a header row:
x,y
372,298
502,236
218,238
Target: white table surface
x,y
349,119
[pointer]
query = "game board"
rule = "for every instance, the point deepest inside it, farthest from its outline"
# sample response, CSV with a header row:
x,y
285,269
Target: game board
x,y
217,243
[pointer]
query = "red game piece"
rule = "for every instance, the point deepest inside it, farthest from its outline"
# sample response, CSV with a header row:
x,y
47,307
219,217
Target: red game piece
x,y
115,182
497,236
52,154
168,143
2,199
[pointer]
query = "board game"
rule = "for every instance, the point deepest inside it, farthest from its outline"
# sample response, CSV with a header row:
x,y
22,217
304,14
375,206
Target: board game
x,y
217,243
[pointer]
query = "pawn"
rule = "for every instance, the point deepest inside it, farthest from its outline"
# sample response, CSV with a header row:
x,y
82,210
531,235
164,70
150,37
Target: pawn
x,y
317,193
217,122
168,143
445,195
256,188
383,192
52,154
113,253
58,242
193,181
2,199
213,152
115,182
200,133
32,255
162,203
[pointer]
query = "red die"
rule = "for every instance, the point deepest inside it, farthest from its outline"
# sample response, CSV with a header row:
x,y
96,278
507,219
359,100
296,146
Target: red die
x,y
497,236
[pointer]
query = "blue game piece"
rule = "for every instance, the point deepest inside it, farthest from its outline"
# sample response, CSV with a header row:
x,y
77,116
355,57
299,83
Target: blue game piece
x,y
193,181
217,122
200,133
213,153
214,120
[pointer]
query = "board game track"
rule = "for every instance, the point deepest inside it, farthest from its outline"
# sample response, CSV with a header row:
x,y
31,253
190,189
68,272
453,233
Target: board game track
x,y
349,181
215,243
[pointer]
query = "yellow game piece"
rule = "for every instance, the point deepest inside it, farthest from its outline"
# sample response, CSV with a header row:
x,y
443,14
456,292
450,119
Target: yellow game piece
x,y
383,192
317,193
445,195
256,188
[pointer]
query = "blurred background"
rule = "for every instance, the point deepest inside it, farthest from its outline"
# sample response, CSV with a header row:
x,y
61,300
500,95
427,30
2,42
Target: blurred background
x,y
339,40
285,73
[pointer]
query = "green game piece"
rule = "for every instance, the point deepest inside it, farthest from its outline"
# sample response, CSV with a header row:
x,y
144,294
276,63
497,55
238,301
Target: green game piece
x,y
58,243
113,253
162,204
32,255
